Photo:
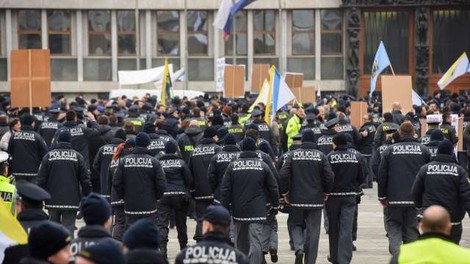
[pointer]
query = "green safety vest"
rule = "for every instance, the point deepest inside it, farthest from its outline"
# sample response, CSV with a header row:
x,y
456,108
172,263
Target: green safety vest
x,y
432,250
7,191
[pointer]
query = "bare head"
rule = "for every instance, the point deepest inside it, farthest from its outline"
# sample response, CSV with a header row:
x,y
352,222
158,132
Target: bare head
x,y
435,219
194,122
396,106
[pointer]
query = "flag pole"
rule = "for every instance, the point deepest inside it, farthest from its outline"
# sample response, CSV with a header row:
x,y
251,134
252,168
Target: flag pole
x,y
391,67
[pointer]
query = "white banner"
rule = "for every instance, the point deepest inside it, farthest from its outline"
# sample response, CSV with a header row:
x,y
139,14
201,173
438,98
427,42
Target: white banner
x,y
141,93
142,76
219,81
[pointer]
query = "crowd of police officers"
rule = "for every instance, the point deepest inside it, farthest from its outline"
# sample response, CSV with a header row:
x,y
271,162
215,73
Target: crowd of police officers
x,y
217,161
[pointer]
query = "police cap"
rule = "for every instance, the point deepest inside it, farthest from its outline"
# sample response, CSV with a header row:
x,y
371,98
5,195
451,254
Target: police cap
x,y
31,192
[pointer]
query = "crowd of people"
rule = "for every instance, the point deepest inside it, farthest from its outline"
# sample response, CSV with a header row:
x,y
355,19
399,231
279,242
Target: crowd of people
x,y
132,168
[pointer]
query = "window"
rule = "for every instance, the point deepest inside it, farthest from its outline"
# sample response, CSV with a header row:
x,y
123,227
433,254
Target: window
x,y
59,31
29,29
238,36
391,27
264,34
450,37
303,32
126,32
99,33
198,36
332,62
168,33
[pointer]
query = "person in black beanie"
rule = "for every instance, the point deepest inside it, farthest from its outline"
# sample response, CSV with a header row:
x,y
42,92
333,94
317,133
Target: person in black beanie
x,y
436,138
140,181
444,182
48,243
96,212
199,164
175,198
248,185
62,172
216,228
306,182
141,243
103,253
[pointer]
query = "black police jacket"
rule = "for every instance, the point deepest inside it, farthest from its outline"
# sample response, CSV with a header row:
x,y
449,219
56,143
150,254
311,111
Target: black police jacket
x,y
218,166
30,218
188,141
47,130
306,176
214,248
158,142
62,173
237,130
325,141
348,170
101,163
346,128
266,133
199,165
31,260
145,256
449,132
443,182
398,168
80,135
26,149
366,144
140,181
171,125
247,187
90,235
178,177
432,147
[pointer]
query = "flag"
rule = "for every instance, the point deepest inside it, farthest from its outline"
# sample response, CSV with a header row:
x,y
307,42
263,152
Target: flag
x,y
416,99
141,76
11,231
318,92
235,8
279,94
459,68
381,61
262,96
223,14
166,84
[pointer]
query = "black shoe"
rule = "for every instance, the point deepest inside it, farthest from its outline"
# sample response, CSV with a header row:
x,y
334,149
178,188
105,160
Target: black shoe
x,y
299,257
330,259
354,248
273,254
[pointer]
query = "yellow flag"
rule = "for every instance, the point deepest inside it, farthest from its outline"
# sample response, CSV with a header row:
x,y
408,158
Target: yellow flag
x,y
11,230
459,68
267,112
166,83
262,96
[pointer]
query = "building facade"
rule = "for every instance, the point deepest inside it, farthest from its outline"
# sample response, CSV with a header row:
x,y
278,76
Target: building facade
x,y
331,42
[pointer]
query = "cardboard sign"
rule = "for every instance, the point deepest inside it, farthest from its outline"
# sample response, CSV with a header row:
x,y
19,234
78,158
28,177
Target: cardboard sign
x,y
304,95
396,89
294,80
30,78
219,80
234,81
358,110
459,131
260,72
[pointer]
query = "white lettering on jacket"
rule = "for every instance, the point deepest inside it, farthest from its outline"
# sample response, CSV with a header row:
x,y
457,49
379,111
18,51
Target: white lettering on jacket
x,y
76,131
325,141
109,150
306,155
211,254
176,163
442,169
200,151
247,165
23,135
138,162
343,158
225,157
406,149
63,155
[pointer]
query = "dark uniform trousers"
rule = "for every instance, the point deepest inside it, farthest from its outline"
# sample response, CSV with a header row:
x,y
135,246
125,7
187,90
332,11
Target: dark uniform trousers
x,y
270,236
165,207
119,225
456,232
201,207
308,241
402,226
341,212
132,218
65,217
248,239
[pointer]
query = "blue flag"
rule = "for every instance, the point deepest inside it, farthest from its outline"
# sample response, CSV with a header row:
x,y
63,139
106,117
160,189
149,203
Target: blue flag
x,y
381,61
235,8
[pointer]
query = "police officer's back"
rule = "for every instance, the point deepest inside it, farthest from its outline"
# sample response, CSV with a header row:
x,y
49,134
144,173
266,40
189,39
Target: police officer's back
x,y
48,128
236,129
325,141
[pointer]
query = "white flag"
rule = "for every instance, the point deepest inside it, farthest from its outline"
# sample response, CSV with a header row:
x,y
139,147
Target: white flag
x,y
223,14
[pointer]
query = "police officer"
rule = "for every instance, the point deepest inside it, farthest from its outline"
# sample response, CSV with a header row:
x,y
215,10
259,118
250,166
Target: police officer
x,y
447,129
398,168
366,145
62,173
26,149
133,116
311,122
344,126
79,132
96,213
30,203
444,182
325,141
434,140
346,164
199,165
306,181
172,121
379,137
140,181
236,129
103,160
175,198
247,187
433,122
264,130
219,163
189,139
216,227
48,128
7,190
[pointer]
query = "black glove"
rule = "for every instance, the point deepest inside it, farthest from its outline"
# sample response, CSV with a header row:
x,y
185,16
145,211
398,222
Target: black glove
x,y
273,211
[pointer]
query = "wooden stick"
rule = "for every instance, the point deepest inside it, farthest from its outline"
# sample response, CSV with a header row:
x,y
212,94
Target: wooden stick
x,y
391,67
30,84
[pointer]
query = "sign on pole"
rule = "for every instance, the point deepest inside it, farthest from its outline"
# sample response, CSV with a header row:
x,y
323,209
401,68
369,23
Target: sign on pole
x,y
234,81
396,89
219,82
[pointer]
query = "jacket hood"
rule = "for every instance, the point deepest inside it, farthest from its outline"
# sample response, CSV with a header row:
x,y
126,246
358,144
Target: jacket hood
x,y
193,131
93,231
